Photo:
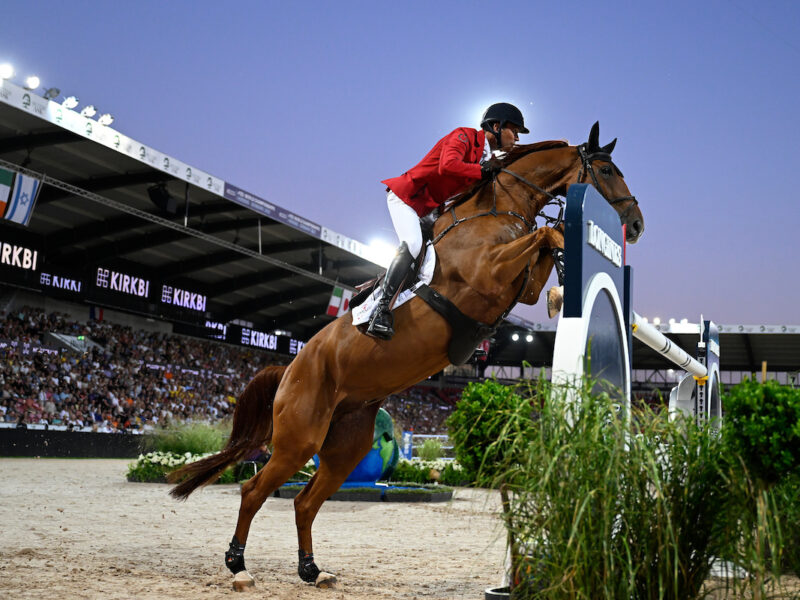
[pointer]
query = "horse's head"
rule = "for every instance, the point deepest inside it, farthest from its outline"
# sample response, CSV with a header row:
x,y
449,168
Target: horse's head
x,y
600,171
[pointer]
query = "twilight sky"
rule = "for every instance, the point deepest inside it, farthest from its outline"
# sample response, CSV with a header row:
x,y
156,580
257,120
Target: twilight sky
x,y
310,105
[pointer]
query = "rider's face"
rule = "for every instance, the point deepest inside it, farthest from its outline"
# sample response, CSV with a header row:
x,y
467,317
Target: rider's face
x,y
508,136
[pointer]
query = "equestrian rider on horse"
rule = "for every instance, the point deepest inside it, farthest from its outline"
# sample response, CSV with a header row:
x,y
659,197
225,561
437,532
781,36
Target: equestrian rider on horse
x,y
458,160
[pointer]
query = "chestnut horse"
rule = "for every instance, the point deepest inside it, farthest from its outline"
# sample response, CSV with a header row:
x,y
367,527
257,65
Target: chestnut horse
x,y
326,400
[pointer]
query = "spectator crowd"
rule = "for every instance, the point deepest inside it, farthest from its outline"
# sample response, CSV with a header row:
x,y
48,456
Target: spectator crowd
x,y
134,380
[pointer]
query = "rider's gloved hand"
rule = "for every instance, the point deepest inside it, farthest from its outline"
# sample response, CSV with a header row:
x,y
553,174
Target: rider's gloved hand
x,y
491,168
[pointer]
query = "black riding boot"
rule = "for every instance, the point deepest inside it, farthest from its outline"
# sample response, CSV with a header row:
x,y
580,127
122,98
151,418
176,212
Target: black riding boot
x,y
381,325
558,263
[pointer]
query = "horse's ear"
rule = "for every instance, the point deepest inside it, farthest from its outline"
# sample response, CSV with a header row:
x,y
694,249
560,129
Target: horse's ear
x,y
594,137
609,148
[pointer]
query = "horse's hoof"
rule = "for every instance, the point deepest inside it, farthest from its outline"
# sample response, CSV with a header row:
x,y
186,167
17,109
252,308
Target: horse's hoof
x,y
242,581
325,580
555,300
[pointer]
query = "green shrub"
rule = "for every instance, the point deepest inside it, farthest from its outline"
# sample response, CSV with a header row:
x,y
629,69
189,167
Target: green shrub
x,y
195,438
787,505
431,449
762,426
487,412
420,471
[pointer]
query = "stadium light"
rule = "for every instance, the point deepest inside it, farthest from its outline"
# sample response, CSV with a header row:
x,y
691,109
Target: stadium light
x,y
6,71
656,321
89,111
380,252
70,102
52,93
32,82
529,338
105,119
515,336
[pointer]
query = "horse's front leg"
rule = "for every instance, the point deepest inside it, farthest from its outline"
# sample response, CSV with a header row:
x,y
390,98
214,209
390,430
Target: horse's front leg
x,y
509,260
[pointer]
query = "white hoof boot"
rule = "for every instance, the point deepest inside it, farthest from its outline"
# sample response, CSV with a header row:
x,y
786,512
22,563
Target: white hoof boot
x,y
555,300
242,581
325,580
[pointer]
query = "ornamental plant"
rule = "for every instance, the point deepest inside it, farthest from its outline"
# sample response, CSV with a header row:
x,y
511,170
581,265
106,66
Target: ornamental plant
x,y
762,426
487,412
154,466
195,438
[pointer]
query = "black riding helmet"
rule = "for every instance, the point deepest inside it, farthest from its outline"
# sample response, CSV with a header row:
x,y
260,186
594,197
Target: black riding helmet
x,y
503,113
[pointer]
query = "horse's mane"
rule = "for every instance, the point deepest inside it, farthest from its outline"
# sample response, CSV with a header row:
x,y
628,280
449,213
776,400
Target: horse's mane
x,y
512,156
519,151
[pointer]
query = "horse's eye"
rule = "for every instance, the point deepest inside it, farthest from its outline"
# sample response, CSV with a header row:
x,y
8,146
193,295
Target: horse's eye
x,y
605,170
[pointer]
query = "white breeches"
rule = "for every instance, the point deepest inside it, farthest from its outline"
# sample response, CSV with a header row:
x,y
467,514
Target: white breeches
x,y
406,223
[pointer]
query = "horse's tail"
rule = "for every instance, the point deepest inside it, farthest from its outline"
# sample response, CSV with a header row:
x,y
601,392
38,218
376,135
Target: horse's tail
x,y
252,427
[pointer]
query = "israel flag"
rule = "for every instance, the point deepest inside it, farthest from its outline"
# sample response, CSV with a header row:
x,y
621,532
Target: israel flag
x,y
23,197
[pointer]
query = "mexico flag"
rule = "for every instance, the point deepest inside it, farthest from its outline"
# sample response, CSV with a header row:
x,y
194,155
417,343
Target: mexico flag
x,y
6,182
339,303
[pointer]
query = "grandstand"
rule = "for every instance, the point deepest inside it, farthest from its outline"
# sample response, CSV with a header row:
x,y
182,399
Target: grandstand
x,y
146,289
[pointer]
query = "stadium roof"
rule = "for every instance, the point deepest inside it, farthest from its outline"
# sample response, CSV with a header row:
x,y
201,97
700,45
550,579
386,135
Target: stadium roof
x,y
252,259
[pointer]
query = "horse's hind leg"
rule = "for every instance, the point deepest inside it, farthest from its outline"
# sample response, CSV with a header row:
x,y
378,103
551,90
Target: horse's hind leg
x,y
348,441
298,434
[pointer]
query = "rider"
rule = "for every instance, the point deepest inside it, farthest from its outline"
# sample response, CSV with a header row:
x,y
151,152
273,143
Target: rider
x,y
458,160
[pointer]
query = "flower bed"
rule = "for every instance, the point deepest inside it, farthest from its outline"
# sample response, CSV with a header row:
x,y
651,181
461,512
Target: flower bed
x,y
417,470
154,466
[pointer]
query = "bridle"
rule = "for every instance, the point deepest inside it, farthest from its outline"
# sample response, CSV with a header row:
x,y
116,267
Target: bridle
x,y
586,167
553,200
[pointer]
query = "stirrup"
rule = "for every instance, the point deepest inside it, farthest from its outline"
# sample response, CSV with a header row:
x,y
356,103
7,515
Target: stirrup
x,y
381,331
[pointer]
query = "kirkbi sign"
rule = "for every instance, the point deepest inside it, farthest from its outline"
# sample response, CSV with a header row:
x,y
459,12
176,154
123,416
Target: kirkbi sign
x,y
18,256
122,282
259,339
182,298
62,283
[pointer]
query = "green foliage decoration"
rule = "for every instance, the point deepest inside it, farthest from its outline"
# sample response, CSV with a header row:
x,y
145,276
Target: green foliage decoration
x,y
762,426
487,412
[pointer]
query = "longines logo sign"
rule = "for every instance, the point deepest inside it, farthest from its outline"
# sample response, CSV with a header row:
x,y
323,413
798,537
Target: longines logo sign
x,y
602,242
178,297
18,256
121,282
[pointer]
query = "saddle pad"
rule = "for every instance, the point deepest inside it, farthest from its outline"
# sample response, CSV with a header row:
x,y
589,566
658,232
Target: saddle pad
x,y
363,311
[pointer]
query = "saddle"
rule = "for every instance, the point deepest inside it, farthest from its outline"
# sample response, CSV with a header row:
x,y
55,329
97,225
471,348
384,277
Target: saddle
x,y
467,332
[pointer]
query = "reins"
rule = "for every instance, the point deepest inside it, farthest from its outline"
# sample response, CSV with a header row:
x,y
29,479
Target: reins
x,y
586,167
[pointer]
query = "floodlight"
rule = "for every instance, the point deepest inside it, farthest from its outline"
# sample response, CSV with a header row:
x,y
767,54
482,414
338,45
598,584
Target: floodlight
x,y
515,336
656,321
105,119
32,82
70,102
529,338
52,93
6,71
89,111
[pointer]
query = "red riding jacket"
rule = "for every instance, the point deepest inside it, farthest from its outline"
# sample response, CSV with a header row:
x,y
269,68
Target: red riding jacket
x,y
448,169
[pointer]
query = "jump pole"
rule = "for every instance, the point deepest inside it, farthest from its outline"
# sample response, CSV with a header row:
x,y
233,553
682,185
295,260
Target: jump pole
x,y
598,323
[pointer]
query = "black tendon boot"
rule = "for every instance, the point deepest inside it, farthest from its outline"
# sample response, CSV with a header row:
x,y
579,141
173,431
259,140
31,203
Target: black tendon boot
x,y
558,263
311,573
234,557
307,568
381,325
555,295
